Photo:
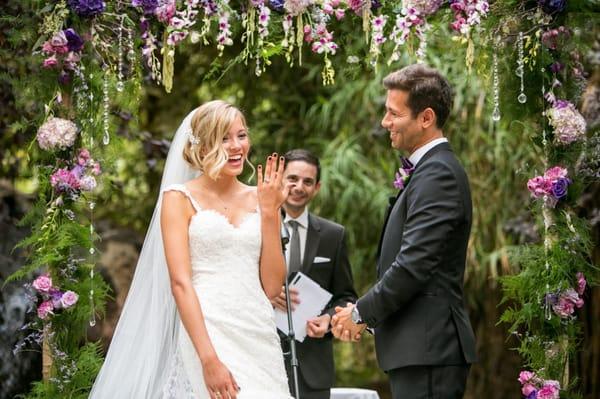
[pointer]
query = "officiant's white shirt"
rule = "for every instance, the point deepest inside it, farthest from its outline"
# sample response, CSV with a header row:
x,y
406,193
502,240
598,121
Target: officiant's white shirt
x,y
302,229
416,156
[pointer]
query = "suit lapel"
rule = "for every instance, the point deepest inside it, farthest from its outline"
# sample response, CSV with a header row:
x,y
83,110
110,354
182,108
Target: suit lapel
x,y
394,200
312,243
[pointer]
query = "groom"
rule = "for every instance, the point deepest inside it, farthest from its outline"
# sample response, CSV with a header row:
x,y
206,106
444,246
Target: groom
x,y
423,337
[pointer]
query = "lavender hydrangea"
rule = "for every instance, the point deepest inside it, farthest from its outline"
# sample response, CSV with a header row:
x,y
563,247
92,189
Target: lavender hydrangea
x,y
296,7
149,6
56,133
87,8
552,6
569,125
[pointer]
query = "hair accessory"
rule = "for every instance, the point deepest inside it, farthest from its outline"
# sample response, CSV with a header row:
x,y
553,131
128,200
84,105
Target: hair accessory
x,y
193,139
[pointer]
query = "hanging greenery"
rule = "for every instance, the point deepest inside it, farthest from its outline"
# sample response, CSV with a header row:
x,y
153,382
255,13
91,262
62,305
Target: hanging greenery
x,y
94,55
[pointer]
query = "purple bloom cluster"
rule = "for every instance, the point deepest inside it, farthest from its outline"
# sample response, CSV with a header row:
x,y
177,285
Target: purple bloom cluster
x,y
569,125
63,50
534,387
552,186
87,8
556,37
552,6
149,6
80,177
50,298
467,13
565,302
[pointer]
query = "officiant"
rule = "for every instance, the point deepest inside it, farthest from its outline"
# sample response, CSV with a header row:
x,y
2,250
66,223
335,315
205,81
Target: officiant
x,y
317,248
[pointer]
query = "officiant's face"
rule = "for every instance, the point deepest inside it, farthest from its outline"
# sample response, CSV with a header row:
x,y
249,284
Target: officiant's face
x,y
301,177
405,131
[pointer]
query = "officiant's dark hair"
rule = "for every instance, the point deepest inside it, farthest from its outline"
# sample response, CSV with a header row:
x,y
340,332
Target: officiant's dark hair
x,y
300,154
426,87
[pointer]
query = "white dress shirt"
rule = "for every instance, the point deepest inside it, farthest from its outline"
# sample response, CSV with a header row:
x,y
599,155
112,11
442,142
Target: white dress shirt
x,y
416,156
302,230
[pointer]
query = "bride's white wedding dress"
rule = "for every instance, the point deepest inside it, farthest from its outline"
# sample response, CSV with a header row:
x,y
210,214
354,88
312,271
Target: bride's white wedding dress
x,y
237,313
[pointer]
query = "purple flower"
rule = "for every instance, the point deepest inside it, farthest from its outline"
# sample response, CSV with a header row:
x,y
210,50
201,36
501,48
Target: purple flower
x,y
45,309
88,183
556,67
43,283
87,8
149,6
55,297
559,187
69,299
581,283
552,6
74,41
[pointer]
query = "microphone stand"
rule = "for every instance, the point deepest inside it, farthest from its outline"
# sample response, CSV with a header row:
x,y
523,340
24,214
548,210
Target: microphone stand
x,y
291,337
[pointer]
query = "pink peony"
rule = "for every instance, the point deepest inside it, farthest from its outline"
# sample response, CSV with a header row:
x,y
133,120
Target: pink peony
x,y
64,180
69,299
527,389
43,283
526,376
45,309
548,392
556,173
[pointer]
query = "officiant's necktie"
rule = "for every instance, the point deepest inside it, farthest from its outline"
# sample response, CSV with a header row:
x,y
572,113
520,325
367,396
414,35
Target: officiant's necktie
x,y
295,258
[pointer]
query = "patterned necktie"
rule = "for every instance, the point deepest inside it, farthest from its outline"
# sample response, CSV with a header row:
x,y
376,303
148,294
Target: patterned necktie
x,y
295,258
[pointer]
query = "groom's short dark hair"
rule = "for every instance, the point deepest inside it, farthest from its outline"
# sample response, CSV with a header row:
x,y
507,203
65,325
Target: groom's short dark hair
x,y
300,154
426,87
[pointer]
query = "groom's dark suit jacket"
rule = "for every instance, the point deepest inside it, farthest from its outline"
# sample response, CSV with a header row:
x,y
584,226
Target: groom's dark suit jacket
x,y
327,241
417,306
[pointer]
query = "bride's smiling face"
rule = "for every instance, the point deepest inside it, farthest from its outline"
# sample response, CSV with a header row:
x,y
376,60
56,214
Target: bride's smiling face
x,y
236,144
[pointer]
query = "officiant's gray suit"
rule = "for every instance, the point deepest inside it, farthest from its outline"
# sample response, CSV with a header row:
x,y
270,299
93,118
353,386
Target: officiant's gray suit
x,y
416,306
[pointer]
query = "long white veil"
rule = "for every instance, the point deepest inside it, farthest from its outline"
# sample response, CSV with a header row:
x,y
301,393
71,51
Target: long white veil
x,y
145,340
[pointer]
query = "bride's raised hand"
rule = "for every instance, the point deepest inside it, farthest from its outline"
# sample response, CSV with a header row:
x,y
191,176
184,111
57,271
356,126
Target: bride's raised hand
x,y
271,192
219,380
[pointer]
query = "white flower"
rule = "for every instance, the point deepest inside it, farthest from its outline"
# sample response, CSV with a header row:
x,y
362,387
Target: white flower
x,y
56,133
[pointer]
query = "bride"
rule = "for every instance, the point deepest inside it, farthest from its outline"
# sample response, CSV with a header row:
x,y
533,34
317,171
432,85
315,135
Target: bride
x,y
198,322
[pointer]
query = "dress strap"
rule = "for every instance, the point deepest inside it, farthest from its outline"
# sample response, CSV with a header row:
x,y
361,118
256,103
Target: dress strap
x,y
182,188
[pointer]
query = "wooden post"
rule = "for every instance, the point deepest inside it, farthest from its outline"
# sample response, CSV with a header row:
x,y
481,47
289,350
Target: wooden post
x,y
46,357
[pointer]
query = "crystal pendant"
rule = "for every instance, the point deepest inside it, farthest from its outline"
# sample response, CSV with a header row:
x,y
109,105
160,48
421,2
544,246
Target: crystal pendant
x,y
519,71
106,138
92,251
131,55
496,115
522,98
120,86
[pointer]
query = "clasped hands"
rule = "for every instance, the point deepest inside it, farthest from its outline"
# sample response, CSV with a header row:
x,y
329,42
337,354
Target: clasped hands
x,y
342,326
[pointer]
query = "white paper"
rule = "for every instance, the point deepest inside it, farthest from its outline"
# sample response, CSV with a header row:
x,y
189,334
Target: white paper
x,y
313,299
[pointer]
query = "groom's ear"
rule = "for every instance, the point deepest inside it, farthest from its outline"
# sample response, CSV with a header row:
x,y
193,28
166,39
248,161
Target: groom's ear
x,y
428,118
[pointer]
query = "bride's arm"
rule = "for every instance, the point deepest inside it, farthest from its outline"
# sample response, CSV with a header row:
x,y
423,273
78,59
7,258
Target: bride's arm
x,y
270,199
174,227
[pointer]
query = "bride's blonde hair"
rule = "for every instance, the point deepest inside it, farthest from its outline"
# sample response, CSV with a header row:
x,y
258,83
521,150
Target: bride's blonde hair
x,y
210,124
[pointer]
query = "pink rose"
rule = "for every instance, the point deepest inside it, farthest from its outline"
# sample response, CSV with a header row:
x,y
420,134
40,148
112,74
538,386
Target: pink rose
x,y
556,173
69,299
526,376
548,392
527,389
50,62
43,283
45,309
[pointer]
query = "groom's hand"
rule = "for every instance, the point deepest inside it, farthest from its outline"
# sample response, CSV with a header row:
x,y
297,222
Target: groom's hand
x,y
342,326
279,301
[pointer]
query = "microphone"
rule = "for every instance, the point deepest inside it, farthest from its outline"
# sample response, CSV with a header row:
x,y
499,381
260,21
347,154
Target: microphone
x,y
285,234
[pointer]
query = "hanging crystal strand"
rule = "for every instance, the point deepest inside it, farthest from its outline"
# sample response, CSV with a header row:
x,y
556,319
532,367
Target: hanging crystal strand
x,y
496,86
120,84
522,98
131,44
422,50
92,320
106,105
